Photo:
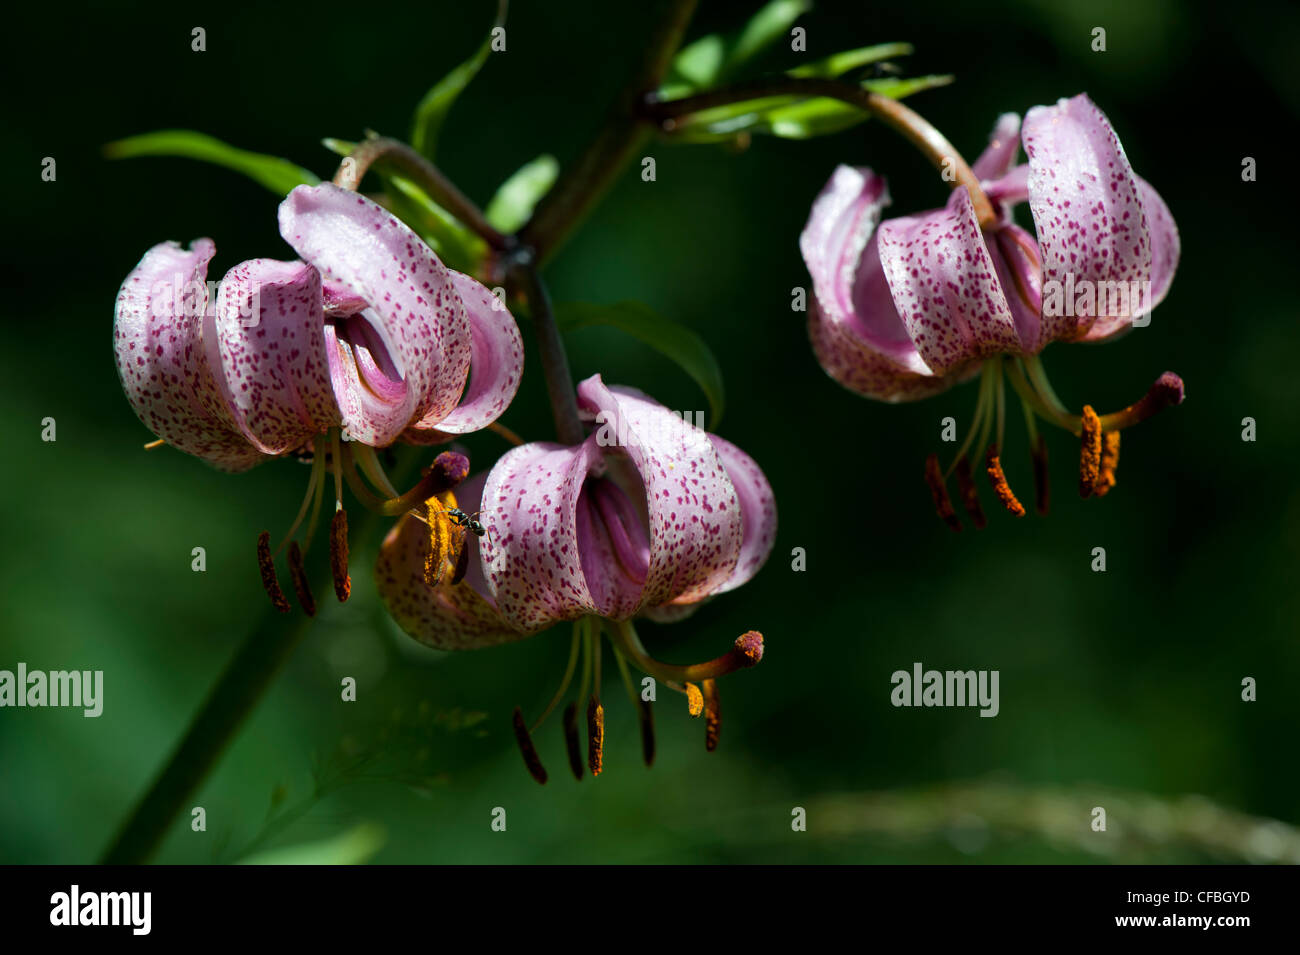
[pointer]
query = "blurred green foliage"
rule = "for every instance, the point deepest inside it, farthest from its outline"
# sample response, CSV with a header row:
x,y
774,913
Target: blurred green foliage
x,y
1127,680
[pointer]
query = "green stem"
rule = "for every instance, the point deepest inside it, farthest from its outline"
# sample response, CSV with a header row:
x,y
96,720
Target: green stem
x,y
1039,395
555,361
238,691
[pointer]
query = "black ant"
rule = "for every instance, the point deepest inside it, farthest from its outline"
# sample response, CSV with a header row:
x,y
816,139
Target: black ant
x,y
461,519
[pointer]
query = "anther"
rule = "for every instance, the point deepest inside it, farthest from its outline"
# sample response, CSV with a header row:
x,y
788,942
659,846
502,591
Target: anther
x,y
269,582
299,577
571,739
435,556
595,736
526,747
339,555
970,497
712,715
1109,462
939,491
1090,452
694,700
993,465
647,732
1042,496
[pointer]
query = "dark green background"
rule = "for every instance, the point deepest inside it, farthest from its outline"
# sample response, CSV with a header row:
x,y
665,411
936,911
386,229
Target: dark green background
x,y
1127,680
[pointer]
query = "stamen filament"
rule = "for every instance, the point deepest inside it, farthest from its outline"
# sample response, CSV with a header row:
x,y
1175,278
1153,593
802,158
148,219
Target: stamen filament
x,y
569,669
977,419
571,740
317,466
372,469
645,713
1032,396
746,652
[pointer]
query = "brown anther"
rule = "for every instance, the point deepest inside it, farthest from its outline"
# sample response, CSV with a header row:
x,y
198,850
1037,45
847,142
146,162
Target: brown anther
x,y
970,497
647,732
269,581
595,736
299,577
526,747
1109,462
1042,488
712,715
749,648
339,555
571,739
939,491
1090,452
993,465
694,700
435,555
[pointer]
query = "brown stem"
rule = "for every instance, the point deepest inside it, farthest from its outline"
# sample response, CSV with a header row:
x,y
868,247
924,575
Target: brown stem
x,y
393,156
585,182
555,361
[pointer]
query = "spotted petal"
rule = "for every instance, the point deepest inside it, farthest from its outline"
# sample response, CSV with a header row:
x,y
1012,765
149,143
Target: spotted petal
x,y
413,324
496,363
270,349
531,556
692,510
946,287
856,331
757,509
158,344
1088,212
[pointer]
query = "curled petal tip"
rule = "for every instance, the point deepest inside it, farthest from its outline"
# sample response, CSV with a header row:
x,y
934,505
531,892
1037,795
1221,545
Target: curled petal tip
x,y
749,647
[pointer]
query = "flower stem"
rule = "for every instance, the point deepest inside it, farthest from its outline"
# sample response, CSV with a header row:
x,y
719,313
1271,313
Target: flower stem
x,y
585,182
913,127
555,361
238,691
393,156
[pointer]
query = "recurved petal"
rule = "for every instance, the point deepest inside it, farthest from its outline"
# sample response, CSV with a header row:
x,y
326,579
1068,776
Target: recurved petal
x,y
614,547
532,551
945,285
857,366
692,510
856,331
158,344
1166,249
412,303
1004,146
757,509
1087,209
447,617
496,363
270,348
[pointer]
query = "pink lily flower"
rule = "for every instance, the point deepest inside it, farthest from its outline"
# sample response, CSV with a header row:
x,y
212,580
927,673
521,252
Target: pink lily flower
x,y
905,308
368,339
647,517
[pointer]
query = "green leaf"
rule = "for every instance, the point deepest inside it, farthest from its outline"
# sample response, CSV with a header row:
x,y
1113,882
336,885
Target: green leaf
x,y
837,64
353,847
458,248
278,175
433,109
713,58
513,203
676,342
791,117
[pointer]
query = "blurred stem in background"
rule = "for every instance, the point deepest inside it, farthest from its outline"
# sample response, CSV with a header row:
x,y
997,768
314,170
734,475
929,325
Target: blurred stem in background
x,y
971,815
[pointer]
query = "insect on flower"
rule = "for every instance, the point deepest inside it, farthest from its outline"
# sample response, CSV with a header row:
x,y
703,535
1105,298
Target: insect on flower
x,y
365,341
